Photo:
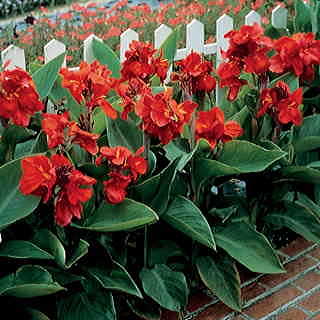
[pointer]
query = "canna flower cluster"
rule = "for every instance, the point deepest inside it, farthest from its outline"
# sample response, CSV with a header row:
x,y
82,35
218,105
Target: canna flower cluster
x,y
247,52
211,126
90,85
162,117
56,178
298,54
60,130
19,99
143,63
124,168
194,74
281,104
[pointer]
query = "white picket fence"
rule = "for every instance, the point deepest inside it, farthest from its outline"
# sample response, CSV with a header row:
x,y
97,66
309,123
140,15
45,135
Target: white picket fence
x,y
194,41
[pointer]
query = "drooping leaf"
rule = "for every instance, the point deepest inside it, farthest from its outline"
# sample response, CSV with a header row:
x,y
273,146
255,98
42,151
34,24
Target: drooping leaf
x,y
13,204
186,217
124,133
126,215
115,278
248,157
33,314
29,281
249,247
168,288
106,56
221,276
20,249
297,218
82,306
49,242
45,77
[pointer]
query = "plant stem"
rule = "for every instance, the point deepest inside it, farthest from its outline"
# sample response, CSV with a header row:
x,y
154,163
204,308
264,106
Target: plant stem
x,y
145,247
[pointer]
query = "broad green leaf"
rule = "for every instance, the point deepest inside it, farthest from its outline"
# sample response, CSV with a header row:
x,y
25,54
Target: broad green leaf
x,y
126,215
305,201
249,247
16,134
155,191
33,314
29,281
169,46
241,116
80,251
301,173
248,157
115,278
144,309
165,286
302,20
307,136
106,56
64,277
45,77
37,145
21,249
289,78
13,204
99,122
124,133
174,151
297,218
49,242
205,169
185,216
221,276
82,306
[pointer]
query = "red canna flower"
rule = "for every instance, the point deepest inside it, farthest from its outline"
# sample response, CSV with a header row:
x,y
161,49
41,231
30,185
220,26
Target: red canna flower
x,y
210,126
38,177
125,167
115,188
194,74
297,54
229,73
19,99
86,140
54,126
162,116
43,177
72,195
141,62
281,105
90,85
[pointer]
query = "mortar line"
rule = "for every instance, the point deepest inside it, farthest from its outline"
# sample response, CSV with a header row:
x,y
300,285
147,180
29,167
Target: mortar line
x,y
291,303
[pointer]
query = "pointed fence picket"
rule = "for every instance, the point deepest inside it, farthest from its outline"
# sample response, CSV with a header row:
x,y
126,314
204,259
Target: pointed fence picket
x,y
15,56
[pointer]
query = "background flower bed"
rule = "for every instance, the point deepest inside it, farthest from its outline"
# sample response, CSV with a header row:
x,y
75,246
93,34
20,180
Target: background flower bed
x,y
75,26
170,191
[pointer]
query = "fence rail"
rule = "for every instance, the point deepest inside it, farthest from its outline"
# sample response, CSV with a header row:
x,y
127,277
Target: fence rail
x,y
15,56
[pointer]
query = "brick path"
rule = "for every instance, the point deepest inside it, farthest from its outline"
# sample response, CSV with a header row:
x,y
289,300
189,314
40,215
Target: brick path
x,y
294,295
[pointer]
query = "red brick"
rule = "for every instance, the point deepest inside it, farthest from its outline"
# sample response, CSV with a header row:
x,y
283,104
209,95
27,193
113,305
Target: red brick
x,y
296,246
197,301
315,253
169,315
293,268
293,314
216,311
251,291
309,281
272,302
312,303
